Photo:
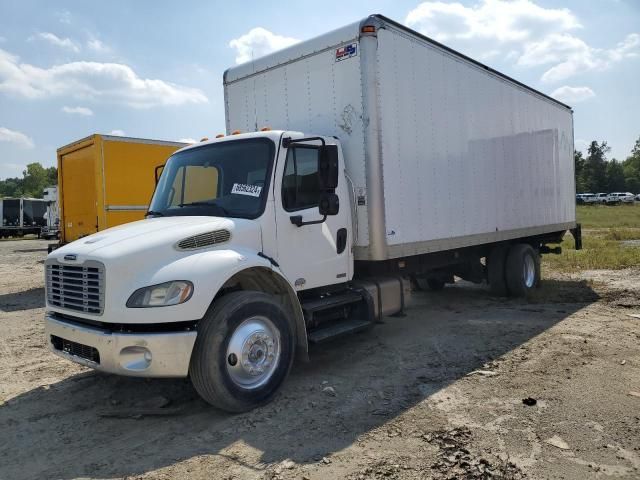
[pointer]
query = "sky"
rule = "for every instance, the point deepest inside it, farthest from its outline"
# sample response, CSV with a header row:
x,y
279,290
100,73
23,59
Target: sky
x,y
153,69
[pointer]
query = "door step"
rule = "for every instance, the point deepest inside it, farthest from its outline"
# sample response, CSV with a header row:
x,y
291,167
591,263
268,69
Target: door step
x,y
337,329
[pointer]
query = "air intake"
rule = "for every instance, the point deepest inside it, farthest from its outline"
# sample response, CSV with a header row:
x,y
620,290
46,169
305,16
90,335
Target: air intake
x,y
204,240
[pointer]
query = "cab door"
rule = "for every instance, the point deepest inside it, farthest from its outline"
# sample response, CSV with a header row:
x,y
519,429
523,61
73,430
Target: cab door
x,y
315,254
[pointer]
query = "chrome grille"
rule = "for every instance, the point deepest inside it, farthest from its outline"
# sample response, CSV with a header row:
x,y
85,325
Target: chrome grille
x,y
76,287
204,240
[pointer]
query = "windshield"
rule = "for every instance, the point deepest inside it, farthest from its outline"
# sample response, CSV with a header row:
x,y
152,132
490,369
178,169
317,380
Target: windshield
x,y
227,179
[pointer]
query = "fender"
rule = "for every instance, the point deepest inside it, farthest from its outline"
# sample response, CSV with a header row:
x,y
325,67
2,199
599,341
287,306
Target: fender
x,y
211,270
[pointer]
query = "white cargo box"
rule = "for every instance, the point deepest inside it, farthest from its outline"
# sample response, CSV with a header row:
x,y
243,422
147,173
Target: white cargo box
x,y
443,151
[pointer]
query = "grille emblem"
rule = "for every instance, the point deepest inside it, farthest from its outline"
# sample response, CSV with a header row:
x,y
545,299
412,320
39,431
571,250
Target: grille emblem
x,y
71,256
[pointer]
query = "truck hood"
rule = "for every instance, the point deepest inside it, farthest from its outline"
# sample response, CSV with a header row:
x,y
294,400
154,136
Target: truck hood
x,y
157,233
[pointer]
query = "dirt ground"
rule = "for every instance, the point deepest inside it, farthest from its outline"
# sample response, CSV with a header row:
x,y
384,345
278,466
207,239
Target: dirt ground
x,y
437,393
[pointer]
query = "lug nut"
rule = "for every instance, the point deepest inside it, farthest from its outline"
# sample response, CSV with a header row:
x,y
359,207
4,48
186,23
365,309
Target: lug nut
x,y
232,359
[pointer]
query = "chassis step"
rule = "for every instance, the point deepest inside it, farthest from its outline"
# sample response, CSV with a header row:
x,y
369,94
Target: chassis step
x,y
337,329
331,301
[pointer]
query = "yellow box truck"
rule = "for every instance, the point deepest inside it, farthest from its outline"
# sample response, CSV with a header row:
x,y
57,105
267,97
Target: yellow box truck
x,y
106,181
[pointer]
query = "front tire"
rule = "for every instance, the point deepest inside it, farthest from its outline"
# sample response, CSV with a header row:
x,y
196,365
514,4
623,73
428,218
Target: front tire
x,y
243,352
522,270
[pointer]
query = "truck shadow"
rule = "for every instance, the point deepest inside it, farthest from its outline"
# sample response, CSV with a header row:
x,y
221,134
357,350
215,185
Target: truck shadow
x,y
26,300
68,429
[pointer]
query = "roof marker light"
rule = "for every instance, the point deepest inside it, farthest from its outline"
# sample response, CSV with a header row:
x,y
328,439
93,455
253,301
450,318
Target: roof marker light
x,y
265,129
236,132
204,139
368,29
220,135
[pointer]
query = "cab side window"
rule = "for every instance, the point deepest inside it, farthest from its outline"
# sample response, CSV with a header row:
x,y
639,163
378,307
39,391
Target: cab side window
x,y
300,184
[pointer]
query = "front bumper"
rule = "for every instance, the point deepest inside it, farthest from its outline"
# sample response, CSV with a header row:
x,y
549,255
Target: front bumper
x,y
165,354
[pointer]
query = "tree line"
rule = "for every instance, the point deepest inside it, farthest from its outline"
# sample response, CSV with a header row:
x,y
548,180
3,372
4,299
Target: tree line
x,y
594,173
32,184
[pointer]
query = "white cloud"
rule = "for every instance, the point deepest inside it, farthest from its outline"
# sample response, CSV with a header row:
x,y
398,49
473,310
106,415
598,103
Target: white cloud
x,y
117,133
257,43
98,46
13,136
187,140
571,55
499,20
57,41
84,111
109,82
521,31
569,94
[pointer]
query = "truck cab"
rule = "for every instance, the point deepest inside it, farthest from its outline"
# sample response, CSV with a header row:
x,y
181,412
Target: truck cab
x,y
213,283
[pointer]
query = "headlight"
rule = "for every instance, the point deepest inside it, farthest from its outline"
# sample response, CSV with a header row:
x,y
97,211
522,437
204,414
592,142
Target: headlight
x,y
162,295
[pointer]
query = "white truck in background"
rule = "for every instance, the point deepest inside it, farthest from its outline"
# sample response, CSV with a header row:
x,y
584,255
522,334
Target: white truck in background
x,y
51,229
352,160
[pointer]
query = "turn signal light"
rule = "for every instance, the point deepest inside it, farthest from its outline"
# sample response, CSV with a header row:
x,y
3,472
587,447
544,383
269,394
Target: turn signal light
x,y
368,29
236,132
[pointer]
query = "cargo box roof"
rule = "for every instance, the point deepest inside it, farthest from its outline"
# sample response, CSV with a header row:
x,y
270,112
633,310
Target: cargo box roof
x,y
343,35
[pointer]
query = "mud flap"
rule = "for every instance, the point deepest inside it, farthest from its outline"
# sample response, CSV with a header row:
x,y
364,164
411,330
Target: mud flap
x,y
577,236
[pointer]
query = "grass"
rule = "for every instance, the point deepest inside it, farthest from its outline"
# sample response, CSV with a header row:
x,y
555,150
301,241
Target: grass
x,y
603,216
604,232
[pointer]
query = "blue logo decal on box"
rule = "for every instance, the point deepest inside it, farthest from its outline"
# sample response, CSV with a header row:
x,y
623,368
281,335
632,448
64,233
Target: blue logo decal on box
x,y
347,51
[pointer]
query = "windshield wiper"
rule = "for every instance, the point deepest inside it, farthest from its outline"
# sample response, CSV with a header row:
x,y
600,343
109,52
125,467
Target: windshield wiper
x,y
155,214
205,204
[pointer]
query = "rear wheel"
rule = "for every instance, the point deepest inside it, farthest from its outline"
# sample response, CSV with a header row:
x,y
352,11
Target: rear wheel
x,y
243,352
522,270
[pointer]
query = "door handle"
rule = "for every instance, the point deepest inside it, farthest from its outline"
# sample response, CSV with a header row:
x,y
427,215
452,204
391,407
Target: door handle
x,y
341,240
297,221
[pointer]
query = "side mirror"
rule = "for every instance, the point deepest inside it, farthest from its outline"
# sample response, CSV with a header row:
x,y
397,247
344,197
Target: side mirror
x,y
329,204
328,167
158,171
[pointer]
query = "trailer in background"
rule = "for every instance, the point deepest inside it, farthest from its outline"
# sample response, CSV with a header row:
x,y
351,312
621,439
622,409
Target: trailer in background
x,y
22,216
104,181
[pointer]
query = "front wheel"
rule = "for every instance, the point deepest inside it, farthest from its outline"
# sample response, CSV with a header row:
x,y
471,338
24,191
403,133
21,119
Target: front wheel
x,y
243,352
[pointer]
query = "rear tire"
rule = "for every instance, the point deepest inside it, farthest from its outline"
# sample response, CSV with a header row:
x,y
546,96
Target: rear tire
x,y
496,262
243,352
522,270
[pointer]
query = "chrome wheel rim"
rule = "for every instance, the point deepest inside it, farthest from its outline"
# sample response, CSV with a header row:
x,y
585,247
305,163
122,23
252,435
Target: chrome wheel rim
x,y
529,272
253,353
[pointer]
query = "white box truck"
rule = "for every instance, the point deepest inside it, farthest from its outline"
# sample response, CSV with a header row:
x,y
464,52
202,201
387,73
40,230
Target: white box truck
x,y
352,160
52,216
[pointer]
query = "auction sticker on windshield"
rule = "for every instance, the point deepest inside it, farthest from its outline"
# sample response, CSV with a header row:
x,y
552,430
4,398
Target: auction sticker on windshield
x,y
243,189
